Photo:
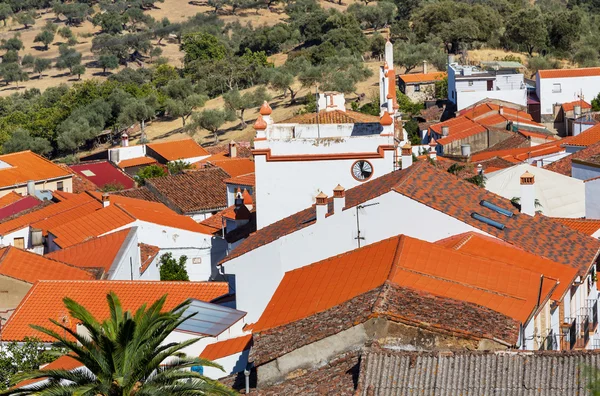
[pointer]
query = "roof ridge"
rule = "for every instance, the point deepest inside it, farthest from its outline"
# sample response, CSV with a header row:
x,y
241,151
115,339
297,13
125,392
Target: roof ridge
x,y
87,241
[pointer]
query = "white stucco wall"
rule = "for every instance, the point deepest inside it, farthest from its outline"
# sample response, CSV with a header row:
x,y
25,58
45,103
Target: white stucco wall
x,y
119,154
584,172
258,272
231,364
592,199
466,99
571,87
9,239
127,262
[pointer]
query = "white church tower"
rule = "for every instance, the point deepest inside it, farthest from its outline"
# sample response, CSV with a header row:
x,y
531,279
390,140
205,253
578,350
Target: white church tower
x,y
298,158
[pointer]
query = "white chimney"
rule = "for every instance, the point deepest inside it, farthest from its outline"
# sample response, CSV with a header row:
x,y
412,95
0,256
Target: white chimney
x,y
527,199
479,169
321,206
501,110
124,139
339,199
232,149
445,130
31,188
407,158
577,110
105,200
424,67
432,154
465,150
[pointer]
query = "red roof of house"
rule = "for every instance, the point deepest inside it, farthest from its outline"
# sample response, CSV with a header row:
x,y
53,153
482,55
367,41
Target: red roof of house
x,y
178,149
25,166
565,73
458,128
569,106
233,166
44,301
67,216
225,348
410,263
44,213
494,249
564,165
98,252
136,162
10,198
24,203
31,267
248,179
65,362
102,173
586,226
422,77
147,255
444,192
521,154
585,138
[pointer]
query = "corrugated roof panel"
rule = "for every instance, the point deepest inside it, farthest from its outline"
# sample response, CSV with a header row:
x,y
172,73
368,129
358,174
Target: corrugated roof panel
x,y
210,319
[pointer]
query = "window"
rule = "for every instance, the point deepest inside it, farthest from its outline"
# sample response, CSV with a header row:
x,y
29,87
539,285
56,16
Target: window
x,y
19,243
417,88
470,83
59,186
556,88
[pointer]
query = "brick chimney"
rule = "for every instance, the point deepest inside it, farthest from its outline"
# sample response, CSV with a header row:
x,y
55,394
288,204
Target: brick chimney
x,y
527,199
105,200
339,199
407,158
321,206
232,149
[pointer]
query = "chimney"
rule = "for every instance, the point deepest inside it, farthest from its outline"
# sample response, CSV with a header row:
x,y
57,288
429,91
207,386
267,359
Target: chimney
x,y
432,154
407,158
239,198
479,169
577,110
339,198
501,110
527,199
424,67
445,130
31,188
105,200
232,149
124,140
321,206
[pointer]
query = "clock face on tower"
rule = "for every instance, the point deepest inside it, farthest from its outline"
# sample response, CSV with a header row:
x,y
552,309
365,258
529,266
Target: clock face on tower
x,y
362,170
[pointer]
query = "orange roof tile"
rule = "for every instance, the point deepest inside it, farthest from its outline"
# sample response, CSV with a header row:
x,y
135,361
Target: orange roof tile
x,y
422,77
226,348
406,262
67,216
585,138
586,226
538,135
565,73
491,248
25,166
44,213
178,149
248,179
215,222
136,162
91,225
98,252
64,362
522,153
332,117
235,166
9,198
570,106
44,301
31,267
458,128
147,255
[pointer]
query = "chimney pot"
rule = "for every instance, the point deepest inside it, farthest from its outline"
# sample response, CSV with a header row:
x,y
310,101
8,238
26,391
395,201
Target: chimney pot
x,y
339,198
124,139
105,200
31,188
232,149
407,158
321,206
501,110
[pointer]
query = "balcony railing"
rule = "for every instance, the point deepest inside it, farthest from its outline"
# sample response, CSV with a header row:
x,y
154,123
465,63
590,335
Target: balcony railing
x,y
583,331
569,333
592,307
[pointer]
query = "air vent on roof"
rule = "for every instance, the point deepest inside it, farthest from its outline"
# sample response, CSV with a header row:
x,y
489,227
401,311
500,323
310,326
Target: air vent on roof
x,y
496,208
487,221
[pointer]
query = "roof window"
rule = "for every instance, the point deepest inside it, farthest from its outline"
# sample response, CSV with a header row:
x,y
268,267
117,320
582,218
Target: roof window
x,y
488,221
496,208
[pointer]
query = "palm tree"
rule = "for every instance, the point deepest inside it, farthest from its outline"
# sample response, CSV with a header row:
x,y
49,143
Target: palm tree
x,y
125,355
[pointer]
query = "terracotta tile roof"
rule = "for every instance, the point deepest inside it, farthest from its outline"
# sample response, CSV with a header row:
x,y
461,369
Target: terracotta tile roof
x,y
564,165
32,267
233,213
215,222
523,153
64,362
332,117
136,162
448,194
25,166
586,226
515,140
225,348
138,193
9,198
585,138
98,252
248,179
67,216
569,106
458,128
24,204
244,150
422,77
546,136
102,173
44,301
62,195
91,225
178,149
409,263
494,249
46,212
235,166
193,191
147,255
565,73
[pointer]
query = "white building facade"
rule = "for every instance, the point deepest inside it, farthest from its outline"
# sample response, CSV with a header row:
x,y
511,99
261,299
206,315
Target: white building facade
x,y
554,87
